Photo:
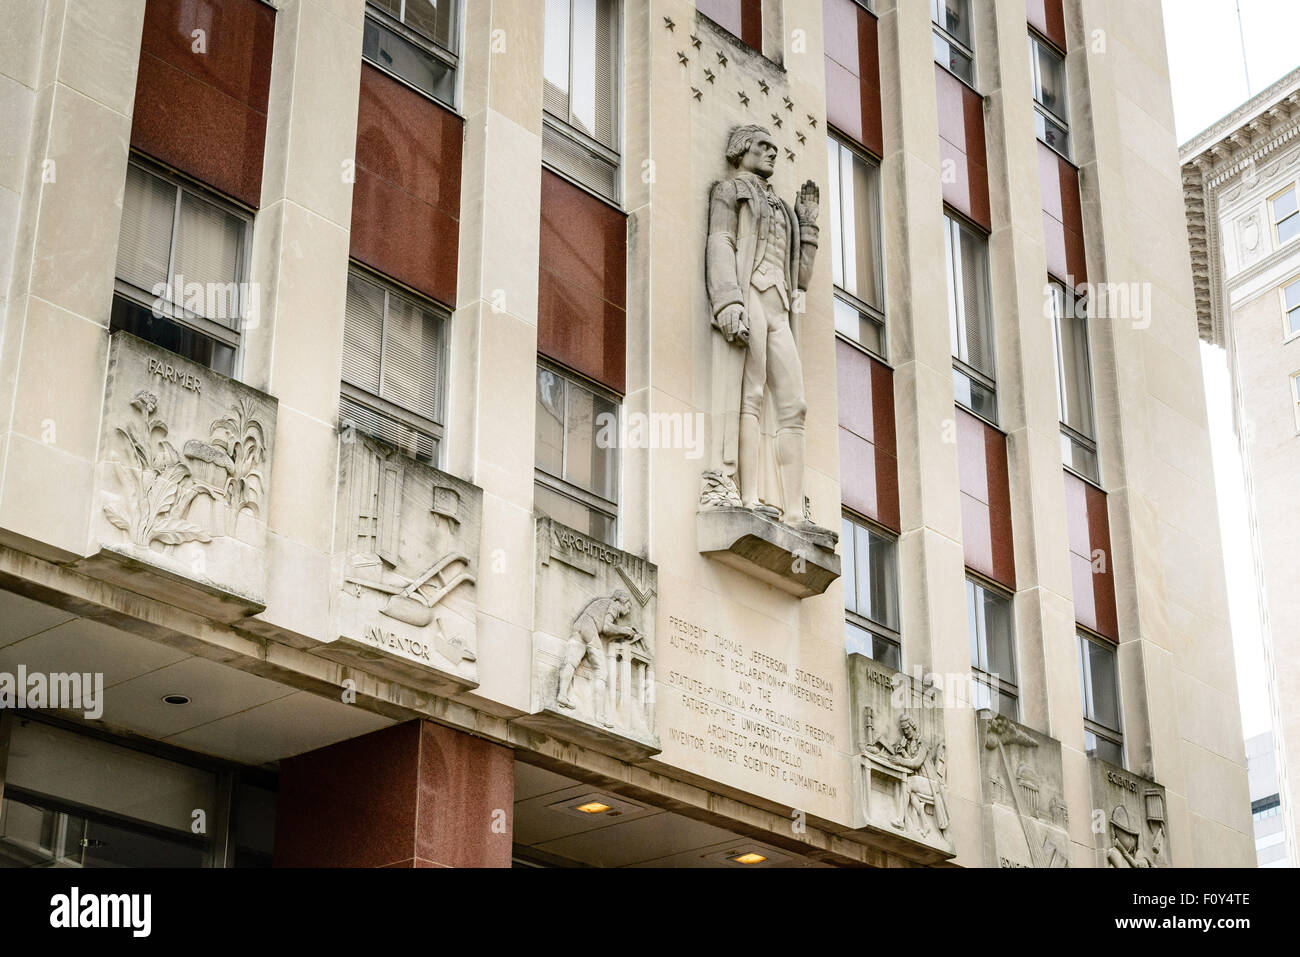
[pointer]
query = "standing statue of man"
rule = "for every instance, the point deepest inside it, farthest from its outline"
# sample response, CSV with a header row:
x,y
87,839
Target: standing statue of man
x,y
758,260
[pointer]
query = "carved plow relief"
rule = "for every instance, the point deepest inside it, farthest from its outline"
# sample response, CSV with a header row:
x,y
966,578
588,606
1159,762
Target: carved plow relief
x,y
1025,816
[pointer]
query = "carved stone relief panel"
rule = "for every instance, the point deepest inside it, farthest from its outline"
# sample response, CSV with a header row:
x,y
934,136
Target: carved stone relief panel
x,y
593,644
1025,816
1254,241
900,767
181,482
1133,833
406,556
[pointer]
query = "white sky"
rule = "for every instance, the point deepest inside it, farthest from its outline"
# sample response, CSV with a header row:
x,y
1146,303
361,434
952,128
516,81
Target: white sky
x,y
1208,72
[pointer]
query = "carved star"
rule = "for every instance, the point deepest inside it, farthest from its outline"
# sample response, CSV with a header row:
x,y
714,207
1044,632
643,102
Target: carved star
x,y
802,139
696,93
812,121
789,154
776,118
722,58
744,98
668,22
695,41
708,75
682,58
762,85
789,103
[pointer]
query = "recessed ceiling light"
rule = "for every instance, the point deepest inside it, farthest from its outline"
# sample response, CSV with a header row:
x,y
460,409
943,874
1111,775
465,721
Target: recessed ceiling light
x,y
752,857
177,699
593,807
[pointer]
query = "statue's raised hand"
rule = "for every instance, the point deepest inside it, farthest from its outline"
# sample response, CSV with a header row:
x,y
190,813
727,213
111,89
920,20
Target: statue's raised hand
x,y
805,207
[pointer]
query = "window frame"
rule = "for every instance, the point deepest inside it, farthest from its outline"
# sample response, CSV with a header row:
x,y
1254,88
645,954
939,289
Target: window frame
x,y
1090,724
878,630
941,32
230,336
870,313
1287,333
979,667
1037,40
1294,383
954,221
385,407
562,127
448,58
557,484
1088,442
1294,188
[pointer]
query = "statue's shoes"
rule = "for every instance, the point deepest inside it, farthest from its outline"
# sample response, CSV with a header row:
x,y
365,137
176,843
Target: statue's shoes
x,y
822,536
565,703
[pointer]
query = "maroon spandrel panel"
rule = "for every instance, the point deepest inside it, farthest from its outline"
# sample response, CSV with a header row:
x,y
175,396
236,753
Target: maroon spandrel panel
x,y
853,73
741,18
1090,557
201,92
1048,18
1062,217
413,795
406,197
868,442
582,283
962,150
985,499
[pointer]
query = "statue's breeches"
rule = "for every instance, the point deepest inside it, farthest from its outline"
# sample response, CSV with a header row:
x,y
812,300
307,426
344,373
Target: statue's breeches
x,y
772,362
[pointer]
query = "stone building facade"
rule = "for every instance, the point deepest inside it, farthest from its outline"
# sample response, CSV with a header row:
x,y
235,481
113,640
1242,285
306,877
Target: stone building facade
x,y
1238,177
631,432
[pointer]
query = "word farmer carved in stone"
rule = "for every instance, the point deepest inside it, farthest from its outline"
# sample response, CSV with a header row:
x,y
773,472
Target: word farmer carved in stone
x,y
924,764
596,624
758,260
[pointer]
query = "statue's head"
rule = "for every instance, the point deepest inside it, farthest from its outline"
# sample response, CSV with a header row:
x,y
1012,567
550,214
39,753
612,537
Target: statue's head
x,y
907,725
1122,832
751,148
623,600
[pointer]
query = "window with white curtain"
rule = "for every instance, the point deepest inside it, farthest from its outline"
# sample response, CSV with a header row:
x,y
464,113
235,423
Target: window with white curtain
x,y
870,573
1099,680
182,268
415,41
577,454
1051,109
857,265
580,66
393,366
1074,381
969,317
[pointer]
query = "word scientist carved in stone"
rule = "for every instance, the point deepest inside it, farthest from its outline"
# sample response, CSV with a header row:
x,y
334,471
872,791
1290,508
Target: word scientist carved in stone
x,y
1134,831
181,483
408,549
1025,816
901,775
593,644
758,261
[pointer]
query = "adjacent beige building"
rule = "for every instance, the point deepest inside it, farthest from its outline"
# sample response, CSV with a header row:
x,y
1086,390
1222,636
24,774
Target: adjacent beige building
x,y
1239,181
362,383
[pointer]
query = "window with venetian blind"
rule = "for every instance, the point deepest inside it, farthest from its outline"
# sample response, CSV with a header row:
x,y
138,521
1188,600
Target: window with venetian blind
x,y
857,266
416,41
393,366
580,131
182,268
970,317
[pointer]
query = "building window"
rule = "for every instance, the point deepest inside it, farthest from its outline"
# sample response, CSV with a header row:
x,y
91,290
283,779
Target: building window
x,y
415,41
870,575
1291,308
577,454
992,650
953,46
1051,109
1286,216
393,345
1099,676
1074,382
856,261
580,131
969,318
182,268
